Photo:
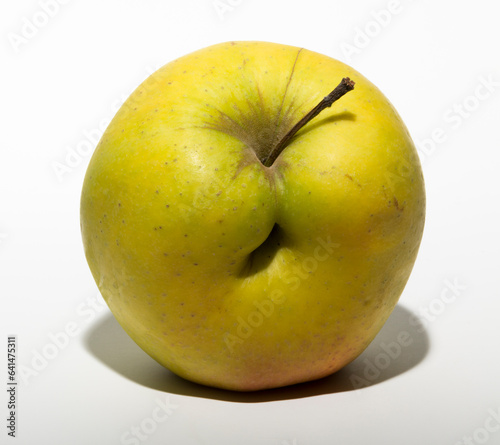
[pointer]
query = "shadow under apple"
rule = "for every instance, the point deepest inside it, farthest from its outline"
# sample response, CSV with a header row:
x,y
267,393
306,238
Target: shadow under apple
x,y
399,346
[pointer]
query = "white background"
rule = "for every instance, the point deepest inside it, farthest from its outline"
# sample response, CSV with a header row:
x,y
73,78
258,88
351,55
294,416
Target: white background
x,y
63,76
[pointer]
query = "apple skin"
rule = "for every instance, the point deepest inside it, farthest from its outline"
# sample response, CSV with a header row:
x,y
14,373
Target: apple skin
x,y
237,275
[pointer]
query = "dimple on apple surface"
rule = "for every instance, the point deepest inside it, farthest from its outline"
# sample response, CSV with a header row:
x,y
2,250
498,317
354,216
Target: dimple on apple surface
x,y
237,272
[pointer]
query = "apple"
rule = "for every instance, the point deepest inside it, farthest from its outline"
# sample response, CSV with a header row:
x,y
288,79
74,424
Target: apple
x,y
243,232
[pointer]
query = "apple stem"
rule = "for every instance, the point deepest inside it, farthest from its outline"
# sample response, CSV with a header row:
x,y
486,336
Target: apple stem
x,y
342,88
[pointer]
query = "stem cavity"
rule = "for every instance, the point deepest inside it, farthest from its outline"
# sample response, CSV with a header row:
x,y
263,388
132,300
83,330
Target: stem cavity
x,y
342,88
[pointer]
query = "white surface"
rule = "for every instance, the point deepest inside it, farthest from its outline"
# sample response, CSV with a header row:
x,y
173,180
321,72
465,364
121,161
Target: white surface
x,y
61,84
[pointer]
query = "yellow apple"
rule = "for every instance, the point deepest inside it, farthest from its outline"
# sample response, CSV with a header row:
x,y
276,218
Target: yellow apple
x,y
233,258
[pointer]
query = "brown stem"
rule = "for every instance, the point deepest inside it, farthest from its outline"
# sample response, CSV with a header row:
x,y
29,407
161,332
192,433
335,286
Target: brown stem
x,y
342,88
